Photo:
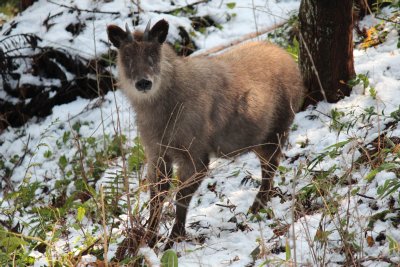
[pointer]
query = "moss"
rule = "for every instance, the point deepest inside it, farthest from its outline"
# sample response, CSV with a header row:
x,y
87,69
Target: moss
x,y
9,7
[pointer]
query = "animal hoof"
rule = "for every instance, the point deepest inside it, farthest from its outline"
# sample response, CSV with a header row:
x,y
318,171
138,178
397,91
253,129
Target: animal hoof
x,y
172,240
255,208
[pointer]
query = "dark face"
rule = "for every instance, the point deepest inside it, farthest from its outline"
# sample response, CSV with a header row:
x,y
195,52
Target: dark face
x,y
139,58
140,62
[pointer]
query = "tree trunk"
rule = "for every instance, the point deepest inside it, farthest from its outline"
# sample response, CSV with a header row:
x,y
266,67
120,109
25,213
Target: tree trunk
x,y
363,7
24,4
326,48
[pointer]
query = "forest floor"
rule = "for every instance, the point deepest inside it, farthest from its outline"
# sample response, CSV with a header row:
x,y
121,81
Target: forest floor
x,y
65,174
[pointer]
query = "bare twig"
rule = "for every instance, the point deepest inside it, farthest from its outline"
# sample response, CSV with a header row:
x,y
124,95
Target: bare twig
x,y
137,4
313,66
230,207
362,195
81,157
84,10
388,20
181,8
103,217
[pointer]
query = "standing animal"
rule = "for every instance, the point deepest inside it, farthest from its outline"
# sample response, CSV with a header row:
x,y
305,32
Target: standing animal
x,y
188,108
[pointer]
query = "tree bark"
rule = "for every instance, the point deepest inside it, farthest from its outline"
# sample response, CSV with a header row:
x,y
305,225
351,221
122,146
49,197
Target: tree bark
x,y
326,48
24,4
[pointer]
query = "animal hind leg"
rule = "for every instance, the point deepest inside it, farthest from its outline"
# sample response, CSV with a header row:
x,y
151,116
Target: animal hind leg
x,y
269,158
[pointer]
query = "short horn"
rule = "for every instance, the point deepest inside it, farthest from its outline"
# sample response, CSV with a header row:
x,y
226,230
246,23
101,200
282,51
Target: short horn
x,y
128,32
146,32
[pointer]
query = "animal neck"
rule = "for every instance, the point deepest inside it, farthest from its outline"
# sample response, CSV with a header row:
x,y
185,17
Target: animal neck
x,y
169,61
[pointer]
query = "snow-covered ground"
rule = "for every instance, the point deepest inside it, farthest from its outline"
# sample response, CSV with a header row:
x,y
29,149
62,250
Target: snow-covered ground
x,y
319,148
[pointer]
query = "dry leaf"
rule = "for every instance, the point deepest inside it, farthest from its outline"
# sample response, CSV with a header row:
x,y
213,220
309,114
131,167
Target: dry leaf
x,y
370,241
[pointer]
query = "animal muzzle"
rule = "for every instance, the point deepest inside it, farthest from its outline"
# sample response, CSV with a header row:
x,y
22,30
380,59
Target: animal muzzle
x,y
143,85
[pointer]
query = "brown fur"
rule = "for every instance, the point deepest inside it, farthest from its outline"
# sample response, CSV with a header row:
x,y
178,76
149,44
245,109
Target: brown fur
x,y
242,100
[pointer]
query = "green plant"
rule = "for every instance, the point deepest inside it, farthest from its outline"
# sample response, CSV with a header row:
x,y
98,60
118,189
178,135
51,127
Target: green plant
x,y
9,7
169,259
363,79
377,5
231,5
336,115
395,114
136,157
282,36
394,246
294,49
13,249
386,166
389,187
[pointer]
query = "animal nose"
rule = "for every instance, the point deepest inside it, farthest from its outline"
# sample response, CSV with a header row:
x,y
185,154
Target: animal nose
x,y
143,85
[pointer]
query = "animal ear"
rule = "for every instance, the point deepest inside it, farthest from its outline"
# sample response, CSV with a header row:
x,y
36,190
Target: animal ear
x,y
117,35
159,31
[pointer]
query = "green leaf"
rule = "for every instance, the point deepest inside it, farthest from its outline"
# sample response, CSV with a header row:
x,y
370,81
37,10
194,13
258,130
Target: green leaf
x,y
394,246
47,154
255,253
384,167
235,173
66,136
294,49
339,144
231,5
364,79
287,250
389,187
12,243
396,114
372,92
355,191
77,126
62,161
91,141
137,156
169,259
353,82
370,176
80,214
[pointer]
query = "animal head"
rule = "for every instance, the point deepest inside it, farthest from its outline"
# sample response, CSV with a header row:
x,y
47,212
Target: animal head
x,y
139,58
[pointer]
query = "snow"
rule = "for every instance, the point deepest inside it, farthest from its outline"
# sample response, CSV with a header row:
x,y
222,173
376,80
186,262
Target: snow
x,y
210,212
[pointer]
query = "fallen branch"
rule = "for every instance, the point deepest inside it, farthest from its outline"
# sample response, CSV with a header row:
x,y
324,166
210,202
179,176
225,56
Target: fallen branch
x,y
238,41
362,195
84,10
172,11
230,207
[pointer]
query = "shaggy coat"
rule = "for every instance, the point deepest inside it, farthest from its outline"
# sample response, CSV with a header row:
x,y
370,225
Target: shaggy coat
x,y
188,108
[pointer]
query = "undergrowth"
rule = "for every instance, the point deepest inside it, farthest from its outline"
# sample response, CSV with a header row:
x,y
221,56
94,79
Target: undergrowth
x,y
90,194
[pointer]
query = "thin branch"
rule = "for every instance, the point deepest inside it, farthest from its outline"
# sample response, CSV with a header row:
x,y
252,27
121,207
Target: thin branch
x,y
239,40
104,222
230,207
84,10
387,20
313,66
365,196
172,11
